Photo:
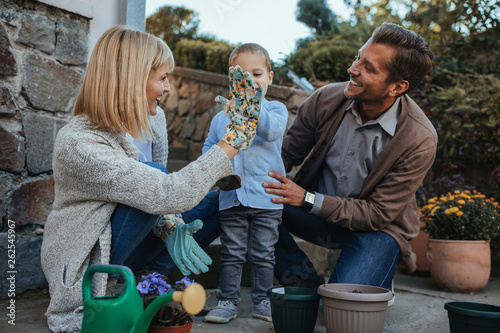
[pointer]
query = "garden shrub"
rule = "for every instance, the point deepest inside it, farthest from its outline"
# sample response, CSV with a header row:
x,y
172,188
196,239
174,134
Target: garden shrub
x,y
465,115
323,60
217,56
190,53
212,56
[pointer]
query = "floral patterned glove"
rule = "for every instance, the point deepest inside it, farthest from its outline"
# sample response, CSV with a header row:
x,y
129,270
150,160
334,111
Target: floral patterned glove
x,y
242,108
183,249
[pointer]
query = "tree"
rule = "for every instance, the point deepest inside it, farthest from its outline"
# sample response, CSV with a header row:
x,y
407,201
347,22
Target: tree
x,y
460,96
173,24
316,15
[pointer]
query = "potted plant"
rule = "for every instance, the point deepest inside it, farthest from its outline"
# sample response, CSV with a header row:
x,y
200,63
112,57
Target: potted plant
x,y
170,317
419,247
460,226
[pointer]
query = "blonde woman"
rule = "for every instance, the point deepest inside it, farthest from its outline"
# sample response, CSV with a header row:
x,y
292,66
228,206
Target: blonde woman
x,y
114,200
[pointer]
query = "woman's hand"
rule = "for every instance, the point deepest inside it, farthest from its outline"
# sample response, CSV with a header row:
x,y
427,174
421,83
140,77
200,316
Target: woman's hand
x,y
242,109
185,251
291,193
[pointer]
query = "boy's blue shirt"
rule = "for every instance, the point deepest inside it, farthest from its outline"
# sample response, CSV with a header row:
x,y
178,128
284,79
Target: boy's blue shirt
x,y
253,165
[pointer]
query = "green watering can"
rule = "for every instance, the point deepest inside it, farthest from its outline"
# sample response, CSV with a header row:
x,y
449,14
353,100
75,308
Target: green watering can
x,y
125,313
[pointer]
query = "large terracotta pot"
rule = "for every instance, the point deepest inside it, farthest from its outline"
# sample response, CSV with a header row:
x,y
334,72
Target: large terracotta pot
x,y
419,247
459,266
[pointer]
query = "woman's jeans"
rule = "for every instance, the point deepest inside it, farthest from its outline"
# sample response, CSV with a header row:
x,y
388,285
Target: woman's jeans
x,y
367,257
247,232
133,243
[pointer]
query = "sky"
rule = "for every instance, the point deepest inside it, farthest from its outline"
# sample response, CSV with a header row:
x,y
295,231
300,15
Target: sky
x,y
270,23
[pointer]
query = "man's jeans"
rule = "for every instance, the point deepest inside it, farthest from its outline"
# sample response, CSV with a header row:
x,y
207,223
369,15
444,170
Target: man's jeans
x,y
247,232
367,257
133,243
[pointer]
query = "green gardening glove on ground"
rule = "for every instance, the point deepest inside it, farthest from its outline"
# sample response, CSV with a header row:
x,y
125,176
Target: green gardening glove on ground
x,y
242,108
185,251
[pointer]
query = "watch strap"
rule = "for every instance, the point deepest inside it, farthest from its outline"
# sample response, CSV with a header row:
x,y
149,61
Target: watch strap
x,y
306,204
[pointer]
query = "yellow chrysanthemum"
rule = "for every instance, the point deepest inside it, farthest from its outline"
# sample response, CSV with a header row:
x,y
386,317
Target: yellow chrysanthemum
x,y
459,213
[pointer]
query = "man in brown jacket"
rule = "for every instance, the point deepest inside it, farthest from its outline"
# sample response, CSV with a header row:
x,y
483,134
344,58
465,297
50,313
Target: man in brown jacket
x,y
365,146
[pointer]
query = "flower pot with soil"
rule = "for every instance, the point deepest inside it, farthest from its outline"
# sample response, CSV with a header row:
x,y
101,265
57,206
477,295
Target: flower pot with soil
x,y
354,307
460,226
171,317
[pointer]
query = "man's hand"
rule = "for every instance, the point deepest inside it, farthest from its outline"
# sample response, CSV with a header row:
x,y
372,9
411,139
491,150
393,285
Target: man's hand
x,y
292,193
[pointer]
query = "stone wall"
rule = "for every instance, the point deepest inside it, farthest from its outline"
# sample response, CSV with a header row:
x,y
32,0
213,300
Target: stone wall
x,y
43,54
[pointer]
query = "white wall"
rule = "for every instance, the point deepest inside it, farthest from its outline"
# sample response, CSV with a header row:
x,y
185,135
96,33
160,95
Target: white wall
x,y
104,14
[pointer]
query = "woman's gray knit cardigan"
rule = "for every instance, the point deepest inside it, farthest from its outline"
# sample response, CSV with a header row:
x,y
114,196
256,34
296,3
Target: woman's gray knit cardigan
x,y
94,170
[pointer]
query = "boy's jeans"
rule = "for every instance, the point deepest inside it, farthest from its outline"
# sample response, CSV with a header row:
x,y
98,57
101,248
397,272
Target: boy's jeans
x,y
133,244
367,257
247,232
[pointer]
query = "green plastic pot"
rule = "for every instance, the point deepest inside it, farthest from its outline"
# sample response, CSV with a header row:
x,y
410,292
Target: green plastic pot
x,y
294,309
468,317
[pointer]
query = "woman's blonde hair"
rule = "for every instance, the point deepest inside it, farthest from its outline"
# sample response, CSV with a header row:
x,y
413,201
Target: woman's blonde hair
x,y
113,92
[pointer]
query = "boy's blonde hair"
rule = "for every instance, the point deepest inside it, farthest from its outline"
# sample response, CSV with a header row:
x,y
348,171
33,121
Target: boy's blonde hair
x,y
113,92
252,48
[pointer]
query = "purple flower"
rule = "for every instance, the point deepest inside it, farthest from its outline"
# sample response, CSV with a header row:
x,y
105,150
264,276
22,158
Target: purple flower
x,y
143,287
153,285
152,276
185,281
165,289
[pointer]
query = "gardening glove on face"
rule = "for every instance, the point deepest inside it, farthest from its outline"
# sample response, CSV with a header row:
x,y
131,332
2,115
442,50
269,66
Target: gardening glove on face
x,y
242,108
184,250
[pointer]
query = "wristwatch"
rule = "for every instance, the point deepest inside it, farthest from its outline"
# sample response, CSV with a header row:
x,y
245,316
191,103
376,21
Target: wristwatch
x,y
308,203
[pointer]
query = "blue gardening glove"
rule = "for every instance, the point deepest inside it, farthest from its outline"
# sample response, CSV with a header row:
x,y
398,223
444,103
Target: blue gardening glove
x,y
185,251
242,108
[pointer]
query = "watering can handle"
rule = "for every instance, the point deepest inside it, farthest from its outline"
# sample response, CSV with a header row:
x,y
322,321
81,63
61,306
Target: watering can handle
x,y
124,271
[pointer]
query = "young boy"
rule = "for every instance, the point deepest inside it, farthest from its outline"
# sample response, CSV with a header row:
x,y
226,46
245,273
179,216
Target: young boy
x,y
249,220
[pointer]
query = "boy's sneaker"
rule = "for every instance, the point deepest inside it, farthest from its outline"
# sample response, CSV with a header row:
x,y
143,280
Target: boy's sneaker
x,y
262,311
222,313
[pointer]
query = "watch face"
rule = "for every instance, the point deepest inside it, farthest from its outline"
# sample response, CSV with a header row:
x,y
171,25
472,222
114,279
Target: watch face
x,y
310,198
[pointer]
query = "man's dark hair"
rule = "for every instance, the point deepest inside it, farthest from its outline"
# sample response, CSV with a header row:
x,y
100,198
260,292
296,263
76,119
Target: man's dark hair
x,y
413,58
